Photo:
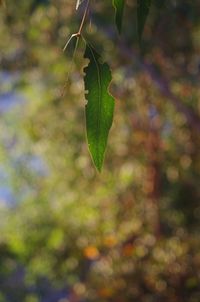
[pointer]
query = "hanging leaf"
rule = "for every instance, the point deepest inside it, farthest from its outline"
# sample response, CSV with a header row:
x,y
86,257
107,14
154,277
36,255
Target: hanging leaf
x,y
100,105
119,9
143,7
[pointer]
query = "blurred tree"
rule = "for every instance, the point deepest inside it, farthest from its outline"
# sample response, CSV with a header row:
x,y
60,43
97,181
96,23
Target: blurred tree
x,y
131,233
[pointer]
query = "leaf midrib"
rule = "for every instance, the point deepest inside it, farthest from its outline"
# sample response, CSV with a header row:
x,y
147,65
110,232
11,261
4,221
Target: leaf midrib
x,y
99,97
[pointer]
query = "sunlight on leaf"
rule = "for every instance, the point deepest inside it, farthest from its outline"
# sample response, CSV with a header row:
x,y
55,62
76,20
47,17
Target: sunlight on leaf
x,y
100,105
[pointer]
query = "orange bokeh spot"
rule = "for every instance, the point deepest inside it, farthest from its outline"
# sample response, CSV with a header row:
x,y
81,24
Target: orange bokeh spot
x,y
91,252
105,292
127,250
110,241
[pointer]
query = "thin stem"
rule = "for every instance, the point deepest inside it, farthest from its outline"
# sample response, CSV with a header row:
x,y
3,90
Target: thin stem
x,y
78,34
68,41
83,19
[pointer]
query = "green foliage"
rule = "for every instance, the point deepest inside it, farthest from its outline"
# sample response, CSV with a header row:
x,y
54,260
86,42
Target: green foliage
x,y
143,7
119,8
130,233
99,111
100,106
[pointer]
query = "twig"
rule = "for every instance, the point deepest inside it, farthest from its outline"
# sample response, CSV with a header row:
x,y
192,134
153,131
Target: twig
x,y
79,32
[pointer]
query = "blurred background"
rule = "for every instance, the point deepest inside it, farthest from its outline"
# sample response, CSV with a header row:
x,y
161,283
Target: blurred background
x,y
131,233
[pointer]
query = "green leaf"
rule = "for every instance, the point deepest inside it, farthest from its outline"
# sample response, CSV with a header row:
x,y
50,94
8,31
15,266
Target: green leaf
x,y
119,9
100,105
143,7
